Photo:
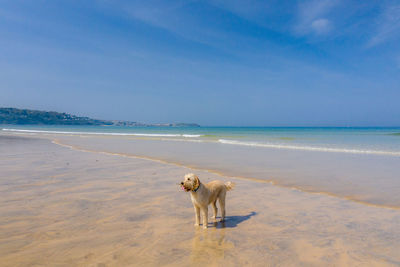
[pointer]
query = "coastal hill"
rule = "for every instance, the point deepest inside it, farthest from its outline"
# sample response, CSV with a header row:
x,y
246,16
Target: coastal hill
x,y
28,116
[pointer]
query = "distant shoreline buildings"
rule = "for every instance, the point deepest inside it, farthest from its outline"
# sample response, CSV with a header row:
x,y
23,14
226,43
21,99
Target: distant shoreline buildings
x,y
38,117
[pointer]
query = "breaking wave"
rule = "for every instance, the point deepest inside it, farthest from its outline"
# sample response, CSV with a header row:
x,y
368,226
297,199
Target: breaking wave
x,y
104,133
310,148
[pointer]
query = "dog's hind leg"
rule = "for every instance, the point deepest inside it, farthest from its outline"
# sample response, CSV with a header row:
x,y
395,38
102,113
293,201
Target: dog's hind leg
x,y
215,210
221,200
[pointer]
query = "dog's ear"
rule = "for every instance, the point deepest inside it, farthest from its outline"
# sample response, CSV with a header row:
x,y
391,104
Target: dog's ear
x,y
196,182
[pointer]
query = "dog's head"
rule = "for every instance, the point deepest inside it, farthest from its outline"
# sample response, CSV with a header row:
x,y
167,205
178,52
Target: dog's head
x,y
191,182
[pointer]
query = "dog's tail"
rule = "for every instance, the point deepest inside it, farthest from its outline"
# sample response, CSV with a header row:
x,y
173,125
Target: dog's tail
x,y
229,186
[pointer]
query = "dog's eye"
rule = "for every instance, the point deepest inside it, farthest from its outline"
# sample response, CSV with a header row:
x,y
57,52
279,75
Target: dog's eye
x,y
188,179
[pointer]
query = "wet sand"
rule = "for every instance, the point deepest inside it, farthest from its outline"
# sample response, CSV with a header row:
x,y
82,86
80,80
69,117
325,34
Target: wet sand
x,y
66,207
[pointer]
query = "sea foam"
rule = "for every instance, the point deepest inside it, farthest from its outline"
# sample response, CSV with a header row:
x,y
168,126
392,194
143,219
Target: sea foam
x,y
103,133
310,148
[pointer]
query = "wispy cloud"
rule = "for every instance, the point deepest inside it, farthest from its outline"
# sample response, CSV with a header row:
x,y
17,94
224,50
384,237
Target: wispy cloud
x,y
157,13
253,10
178,17
321,26
313,17
387,25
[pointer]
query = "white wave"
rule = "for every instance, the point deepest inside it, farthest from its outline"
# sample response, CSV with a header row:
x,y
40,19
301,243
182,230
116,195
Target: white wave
x,y
184,140
191,135
102,133
310,148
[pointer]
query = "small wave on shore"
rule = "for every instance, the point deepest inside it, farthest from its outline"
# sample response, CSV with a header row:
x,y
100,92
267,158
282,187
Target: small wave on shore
x,y
104,133
310,148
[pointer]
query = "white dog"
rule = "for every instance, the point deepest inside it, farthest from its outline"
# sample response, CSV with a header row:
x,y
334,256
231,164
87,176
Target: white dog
x,y
205,194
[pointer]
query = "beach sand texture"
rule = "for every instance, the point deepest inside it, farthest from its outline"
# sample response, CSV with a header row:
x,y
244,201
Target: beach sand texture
x,y
67,207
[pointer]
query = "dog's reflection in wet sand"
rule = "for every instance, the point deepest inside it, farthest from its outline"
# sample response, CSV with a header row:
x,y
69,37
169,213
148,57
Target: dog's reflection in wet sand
x,y
213,243
209,244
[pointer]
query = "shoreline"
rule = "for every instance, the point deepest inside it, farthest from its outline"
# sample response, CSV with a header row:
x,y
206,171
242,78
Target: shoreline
x,y
174,137
366,179
272,182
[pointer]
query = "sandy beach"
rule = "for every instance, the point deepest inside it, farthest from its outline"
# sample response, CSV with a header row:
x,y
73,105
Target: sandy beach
x,y
106,107
65,206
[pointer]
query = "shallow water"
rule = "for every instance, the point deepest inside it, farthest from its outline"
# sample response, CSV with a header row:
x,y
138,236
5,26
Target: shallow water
x,y
66,207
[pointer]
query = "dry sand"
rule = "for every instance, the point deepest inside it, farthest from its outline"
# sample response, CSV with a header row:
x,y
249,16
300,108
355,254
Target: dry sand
x,y
65,207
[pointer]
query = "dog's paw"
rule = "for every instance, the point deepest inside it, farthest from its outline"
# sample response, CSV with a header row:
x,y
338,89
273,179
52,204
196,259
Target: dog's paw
x,y
205,226
196,224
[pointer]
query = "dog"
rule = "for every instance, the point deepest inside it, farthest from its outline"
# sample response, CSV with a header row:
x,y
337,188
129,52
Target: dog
x,y
203,195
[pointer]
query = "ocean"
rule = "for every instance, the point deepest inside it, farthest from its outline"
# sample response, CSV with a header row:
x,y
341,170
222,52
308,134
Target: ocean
x,y
359,164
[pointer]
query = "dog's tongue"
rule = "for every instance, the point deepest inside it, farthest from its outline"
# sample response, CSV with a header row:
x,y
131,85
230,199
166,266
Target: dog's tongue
x,y
183,188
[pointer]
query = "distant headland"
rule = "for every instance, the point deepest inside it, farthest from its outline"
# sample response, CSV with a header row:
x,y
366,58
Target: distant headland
x,y
38,117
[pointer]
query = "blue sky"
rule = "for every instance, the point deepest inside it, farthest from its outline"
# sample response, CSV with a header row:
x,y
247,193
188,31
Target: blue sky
x,y
258,63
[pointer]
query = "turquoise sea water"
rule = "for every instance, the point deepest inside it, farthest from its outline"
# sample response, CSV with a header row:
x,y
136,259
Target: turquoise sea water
x,y
380,141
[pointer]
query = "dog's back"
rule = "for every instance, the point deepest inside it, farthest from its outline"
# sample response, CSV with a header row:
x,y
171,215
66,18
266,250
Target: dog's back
x,y
218,185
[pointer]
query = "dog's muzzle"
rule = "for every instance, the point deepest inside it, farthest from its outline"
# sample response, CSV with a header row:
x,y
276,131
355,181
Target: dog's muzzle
x,y
184,187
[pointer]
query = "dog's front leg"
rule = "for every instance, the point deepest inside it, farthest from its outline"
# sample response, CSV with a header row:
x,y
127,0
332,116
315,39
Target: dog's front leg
x,y
204,211
215,210
196,215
